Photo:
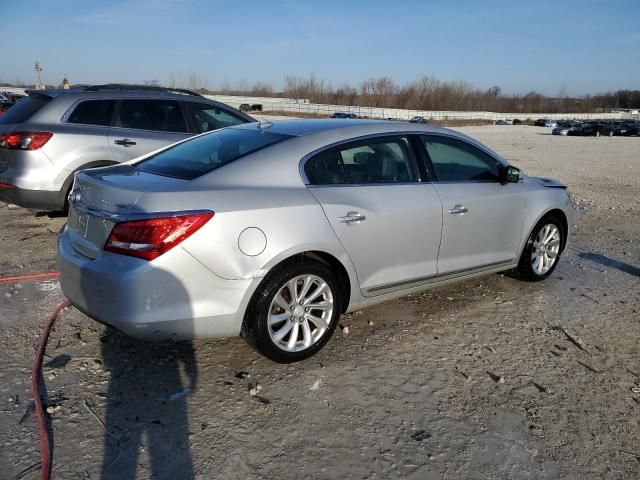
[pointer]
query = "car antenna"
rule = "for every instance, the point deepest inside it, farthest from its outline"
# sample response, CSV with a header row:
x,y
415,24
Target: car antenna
x,y
263,124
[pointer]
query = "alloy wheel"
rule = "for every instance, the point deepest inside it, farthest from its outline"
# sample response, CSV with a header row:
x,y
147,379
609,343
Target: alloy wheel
x,y
546,248
300,313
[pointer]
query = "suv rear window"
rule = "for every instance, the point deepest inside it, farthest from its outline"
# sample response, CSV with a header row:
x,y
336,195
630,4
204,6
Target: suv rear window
x,y
201,155
24,109
93,112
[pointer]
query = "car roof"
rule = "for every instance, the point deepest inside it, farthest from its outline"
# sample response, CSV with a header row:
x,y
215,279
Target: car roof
x,y
350,127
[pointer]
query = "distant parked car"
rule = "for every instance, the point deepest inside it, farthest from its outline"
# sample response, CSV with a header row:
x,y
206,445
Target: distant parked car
x,y
501,122
47,137
550,123
242,231
11,97
633,129
5,105
563,128
344,115
517,121
419,119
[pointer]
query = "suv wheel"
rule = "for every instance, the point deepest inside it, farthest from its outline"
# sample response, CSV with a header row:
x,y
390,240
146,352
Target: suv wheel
x,y
294,311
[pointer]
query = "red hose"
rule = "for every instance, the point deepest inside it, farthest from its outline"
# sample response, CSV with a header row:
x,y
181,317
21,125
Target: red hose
x,y
30,277
36,379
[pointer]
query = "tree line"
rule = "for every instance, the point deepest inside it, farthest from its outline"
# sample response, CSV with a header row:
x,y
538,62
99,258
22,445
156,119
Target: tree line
x,y
429,93
425,93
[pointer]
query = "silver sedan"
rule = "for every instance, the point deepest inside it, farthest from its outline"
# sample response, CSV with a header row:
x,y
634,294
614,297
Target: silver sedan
x,y
272,231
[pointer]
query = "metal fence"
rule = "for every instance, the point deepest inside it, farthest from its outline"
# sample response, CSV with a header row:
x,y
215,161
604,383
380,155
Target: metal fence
x,y
304,107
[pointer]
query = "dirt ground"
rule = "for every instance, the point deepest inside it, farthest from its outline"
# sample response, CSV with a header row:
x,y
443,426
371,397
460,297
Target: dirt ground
x,y
493,378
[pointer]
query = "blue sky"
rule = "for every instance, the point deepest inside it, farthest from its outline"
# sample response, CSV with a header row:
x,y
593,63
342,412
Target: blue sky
x,y
586,46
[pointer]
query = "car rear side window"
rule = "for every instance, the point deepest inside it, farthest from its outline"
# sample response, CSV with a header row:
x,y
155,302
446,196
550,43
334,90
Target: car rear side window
x,y
377,160
326,168
93,112
207,117
155,115
24,109
457,161
195,157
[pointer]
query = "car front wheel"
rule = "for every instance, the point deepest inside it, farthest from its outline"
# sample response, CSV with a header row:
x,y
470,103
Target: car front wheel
x,y
294,311
542,251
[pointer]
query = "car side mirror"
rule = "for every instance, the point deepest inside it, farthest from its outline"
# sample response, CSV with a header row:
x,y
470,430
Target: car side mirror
x,y
510,174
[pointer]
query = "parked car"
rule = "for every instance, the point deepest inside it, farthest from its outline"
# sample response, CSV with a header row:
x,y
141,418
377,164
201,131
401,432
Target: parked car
x,y
501,122
550,123
419,119
564,128
344,115
633,129
48,136
5,105
242,231
516,121
10,97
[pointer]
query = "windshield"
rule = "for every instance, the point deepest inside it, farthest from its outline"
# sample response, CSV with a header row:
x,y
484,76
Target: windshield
x,y
204,154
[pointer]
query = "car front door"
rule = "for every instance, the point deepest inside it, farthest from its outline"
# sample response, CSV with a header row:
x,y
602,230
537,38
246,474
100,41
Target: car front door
x,y
144,125
388,221
483,217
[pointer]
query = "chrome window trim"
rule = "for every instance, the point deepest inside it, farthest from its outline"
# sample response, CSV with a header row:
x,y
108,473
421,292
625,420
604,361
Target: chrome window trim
x,y
317,151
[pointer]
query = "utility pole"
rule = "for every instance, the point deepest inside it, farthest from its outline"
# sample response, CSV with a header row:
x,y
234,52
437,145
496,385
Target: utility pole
x,y
38,69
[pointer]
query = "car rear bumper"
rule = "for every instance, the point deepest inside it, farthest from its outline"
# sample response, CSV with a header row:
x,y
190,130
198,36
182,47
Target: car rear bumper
x,y
148,300
35,199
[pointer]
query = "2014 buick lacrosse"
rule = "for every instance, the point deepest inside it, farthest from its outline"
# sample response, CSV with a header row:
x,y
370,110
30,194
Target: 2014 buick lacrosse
x,y
272,231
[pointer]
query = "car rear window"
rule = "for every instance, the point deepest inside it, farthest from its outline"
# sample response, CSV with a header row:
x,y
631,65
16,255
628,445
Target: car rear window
x,y
23,110
195,157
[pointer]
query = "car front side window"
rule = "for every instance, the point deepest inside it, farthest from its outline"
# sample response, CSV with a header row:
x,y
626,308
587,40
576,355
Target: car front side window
x,y
457,161
155,115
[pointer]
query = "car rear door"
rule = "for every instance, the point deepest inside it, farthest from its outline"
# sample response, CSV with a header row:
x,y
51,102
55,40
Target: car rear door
x,y
482,217
143,125
388,221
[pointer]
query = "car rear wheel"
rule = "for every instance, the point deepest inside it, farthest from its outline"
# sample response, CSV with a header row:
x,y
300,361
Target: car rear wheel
x,y
294,311
542,251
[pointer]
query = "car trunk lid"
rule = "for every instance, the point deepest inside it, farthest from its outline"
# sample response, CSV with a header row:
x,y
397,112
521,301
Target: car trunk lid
x,y
104,196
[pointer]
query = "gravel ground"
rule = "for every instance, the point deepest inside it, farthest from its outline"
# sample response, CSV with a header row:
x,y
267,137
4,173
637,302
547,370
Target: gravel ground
x,y
492,378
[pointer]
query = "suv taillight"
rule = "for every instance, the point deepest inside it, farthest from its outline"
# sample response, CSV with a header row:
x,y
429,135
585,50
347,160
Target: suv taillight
x,y
148,239
24,140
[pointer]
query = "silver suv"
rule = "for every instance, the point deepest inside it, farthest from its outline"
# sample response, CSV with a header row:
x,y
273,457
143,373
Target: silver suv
x,y
51,134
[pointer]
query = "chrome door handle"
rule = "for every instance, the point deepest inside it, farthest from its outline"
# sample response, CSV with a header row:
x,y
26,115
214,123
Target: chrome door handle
x,y
125,142
352,217
458,210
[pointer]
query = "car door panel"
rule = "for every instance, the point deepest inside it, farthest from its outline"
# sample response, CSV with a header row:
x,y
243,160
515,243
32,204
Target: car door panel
x,y
482,215
144,125
396,242
143,142
490,230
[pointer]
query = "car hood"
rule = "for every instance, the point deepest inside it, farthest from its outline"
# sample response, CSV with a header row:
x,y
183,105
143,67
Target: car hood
x,y
548,182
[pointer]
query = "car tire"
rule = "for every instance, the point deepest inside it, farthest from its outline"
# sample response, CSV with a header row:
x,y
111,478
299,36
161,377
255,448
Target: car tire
x,y
273,316
532,266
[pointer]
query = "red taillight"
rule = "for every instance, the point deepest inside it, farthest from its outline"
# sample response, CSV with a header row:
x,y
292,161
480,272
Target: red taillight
x,y
24,140
148,239
6,185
